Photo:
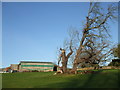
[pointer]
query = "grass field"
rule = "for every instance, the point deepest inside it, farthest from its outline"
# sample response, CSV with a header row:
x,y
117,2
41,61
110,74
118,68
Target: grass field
x,y
101,79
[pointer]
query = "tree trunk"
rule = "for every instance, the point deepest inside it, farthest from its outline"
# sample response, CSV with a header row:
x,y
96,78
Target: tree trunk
x,y
65,59
64,66
74,69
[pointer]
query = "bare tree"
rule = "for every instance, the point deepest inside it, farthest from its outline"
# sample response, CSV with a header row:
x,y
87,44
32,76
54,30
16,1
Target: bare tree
x,y
96,27
69,48
92,46
65,58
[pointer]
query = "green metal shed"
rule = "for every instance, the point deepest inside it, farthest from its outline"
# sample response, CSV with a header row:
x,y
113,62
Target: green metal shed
x,y
39,66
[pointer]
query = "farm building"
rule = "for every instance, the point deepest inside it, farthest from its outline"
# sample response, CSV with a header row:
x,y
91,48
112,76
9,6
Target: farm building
x,y
39,66
14,66
8,69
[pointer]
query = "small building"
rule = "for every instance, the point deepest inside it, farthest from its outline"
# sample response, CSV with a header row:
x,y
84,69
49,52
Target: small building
x,y
37,66
14,67
8,69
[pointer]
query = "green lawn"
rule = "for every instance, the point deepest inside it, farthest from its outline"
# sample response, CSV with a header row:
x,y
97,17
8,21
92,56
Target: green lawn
x,y
102,79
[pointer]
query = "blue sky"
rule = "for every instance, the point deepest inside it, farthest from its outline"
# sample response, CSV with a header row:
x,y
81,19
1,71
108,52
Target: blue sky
x,y
33,31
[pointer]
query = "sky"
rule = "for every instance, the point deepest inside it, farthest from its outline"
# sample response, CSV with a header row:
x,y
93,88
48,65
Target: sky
x,y
32,31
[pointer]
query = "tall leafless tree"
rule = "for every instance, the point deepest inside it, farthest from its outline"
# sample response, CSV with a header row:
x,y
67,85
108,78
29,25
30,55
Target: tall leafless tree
x,y
92,44
65,58
95,27
69,49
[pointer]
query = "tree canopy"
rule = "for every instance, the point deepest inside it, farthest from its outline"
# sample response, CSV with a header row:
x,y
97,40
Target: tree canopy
x,y
116,51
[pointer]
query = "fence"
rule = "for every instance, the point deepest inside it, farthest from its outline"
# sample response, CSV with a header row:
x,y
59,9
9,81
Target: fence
x,y
104,67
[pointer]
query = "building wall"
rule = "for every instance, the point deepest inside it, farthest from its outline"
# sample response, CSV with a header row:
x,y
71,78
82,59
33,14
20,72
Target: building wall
x,y
14,66
36,66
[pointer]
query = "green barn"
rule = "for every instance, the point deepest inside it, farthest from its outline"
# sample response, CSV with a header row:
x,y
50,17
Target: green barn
x,y
39,66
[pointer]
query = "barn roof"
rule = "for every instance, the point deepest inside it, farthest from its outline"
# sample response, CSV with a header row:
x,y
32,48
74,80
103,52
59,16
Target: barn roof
x,y
34,62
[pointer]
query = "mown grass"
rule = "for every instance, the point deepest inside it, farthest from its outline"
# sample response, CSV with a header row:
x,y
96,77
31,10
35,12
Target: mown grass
x,y
101,79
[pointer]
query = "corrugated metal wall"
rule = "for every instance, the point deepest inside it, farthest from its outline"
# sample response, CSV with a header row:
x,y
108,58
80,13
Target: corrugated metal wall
x,y
36,66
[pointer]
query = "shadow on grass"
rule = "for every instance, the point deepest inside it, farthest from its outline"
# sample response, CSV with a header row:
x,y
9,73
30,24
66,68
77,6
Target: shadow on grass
x,y
96,80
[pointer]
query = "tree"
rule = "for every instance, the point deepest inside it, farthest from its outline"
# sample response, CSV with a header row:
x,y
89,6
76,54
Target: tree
x,y
116,63
68,50
95,27
65,59
116,51
93,46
